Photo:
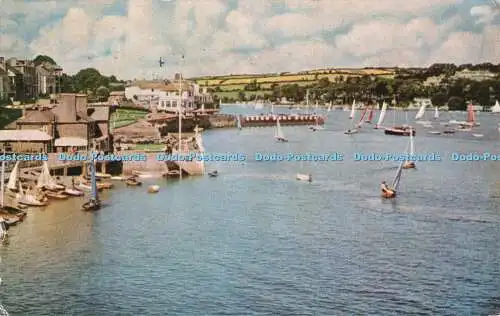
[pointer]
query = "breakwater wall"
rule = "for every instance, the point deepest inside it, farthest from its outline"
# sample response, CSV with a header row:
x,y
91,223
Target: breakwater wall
x,y
151,164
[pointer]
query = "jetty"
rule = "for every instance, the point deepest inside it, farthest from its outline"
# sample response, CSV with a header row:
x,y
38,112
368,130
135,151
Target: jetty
x,y
284,119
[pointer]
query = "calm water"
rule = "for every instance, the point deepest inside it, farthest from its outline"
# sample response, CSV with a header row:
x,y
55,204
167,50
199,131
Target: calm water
x,y
255,241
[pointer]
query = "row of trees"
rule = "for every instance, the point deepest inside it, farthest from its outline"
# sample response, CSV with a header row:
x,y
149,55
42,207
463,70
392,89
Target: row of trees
x,y
452,92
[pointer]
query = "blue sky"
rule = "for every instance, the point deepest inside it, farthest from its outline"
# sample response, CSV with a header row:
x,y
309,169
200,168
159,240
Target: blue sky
x,y
127,37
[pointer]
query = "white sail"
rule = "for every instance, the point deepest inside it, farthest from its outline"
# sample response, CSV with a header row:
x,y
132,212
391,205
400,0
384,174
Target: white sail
x,y
13,177
495,108
330,106
436,113
353,110
45,179
238,122
317,105
421,111
412,143
397,179
382,114
279,132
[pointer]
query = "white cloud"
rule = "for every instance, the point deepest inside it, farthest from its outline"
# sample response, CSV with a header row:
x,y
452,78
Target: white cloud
x,y
212,34
484,13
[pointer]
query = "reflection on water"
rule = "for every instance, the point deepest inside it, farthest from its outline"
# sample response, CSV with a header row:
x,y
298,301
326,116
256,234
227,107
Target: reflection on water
x,y
256,241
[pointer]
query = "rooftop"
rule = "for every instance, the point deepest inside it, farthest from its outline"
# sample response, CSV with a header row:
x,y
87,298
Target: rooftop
x,y
24,135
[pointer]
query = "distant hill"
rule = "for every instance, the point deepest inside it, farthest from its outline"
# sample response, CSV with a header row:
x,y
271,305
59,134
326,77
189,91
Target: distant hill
x,y
307,77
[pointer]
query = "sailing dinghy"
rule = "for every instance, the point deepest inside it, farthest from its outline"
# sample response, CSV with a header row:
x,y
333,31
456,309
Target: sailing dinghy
x,y
353,130
436,113
316,126
382,116
280,137
353,110
495,108
370,116
410,164
94,203
46,181
391,192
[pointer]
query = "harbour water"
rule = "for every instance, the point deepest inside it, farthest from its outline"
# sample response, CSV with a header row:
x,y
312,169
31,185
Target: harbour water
x,y
254,241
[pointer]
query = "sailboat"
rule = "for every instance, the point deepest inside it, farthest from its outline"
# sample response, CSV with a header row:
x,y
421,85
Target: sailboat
x,y
94,203
303,176
330,106
3,206
280,137
370,116
470,121
382,116
393,189
353,110
238,122
29,198
361,120
436,113
46,181
410,164
316,126
495,108
420,115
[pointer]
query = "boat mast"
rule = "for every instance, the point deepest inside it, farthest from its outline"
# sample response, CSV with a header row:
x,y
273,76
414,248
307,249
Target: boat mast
x,y
2,185
179,107
307,102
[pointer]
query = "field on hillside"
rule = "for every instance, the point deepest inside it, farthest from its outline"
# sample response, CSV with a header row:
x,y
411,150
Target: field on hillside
x,y
237,82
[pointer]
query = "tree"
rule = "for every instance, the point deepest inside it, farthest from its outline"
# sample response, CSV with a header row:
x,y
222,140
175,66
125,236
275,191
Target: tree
x,y
439,99
102,93
241,96
324,82
89,79
456,104
40,59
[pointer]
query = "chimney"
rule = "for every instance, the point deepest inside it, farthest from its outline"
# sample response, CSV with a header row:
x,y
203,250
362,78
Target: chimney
x,y
81,103
68,105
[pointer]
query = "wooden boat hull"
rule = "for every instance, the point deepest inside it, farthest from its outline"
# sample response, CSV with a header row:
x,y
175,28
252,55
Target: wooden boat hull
x,y
89,206
304,177
398,132
388,194
73,192
409,165
33,203
56,196
213,174
133,183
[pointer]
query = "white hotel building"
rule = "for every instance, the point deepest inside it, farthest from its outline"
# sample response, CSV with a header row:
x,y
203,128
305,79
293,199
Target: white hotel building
x,y
165,96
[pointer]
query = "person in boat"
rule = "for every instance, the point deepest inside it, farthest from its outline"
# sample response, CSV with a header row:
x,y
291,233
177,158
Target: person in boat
x,y
385,188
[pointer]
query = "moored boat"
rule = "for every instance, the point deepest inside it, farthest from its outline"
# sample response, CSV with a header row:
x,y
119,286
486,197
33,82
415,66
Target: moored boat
x,y
400,131
304,177
213,174
154,188
133,181
93,204
56,195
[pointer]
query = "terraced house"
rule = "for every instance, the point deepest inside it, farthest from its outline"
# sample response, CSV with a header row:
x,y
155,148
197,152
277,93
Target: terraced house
x,y
23,80
71,125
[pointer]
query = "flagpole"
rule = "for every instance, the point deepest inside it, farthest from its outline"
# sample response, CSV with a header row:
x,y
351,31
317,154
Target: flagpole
x,y
179,106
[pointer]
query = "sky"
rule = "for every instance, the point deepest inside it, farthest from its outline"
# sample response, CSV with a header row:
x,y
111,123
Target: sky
x,y
215,37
